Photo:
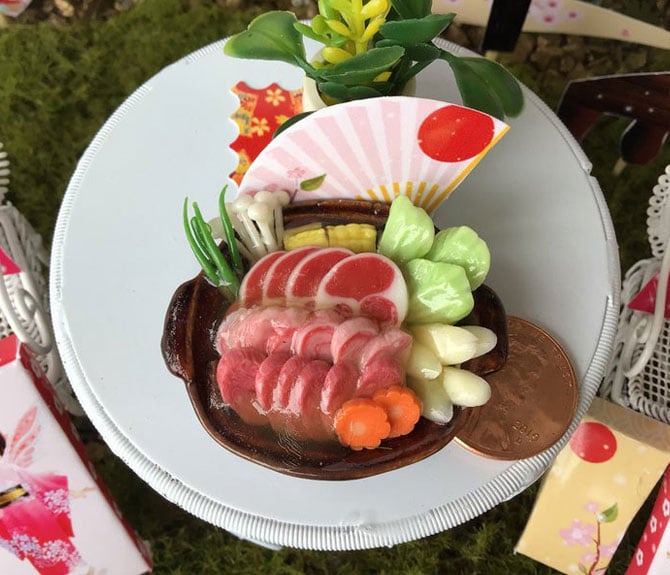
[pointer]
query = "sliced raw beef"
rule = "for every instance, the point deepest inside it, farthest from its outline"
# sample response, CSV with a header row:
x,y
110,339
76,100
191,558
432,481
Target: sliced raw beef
x,y
305,279
287,376
251,288
313,339
245,327
275,280
303,412
284,325
360,277
339,386
381,372
267,376
350,337
392,342
236,376
267,329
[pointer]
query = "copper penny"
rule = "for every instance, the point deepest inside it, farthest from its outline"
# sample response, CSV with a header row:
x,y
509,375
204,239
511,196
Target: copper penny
x,y
533,398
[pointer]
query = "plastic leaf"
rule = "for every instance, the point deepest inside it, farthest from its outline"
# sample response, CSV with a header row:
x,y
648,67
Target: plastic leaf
x,y
499,81
270,36
365,67
325,9
342,93
416,30
312,184
422,52
412,8
474,89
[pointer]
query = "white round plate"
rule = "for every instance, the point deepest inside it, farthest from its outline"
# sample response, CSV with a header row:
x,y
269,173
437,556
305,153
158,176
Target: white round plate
x,y
119,253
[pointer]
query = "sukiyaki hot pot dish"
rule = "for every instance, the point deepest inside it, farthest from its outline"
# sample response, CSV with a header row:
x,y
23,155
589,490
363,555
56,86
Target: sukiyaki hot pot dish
x,y
335,332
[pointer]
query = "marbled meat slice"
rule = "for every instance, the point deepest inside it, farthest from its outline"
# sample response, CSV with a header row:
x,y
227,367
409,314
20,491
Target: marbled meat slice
x,y
350,337
304,281
313,339
275,280
284,325
251,287
391,342
359,277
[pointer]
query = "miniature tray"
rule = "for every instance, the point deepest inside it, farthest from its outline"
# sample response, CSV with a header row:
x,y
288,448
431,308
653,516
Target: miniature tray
x,y
118,253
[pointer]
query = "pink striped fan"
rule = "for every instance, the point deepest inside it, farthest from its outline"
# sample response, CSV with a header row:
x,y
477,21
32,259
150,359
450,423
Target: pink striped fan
x,y
375,150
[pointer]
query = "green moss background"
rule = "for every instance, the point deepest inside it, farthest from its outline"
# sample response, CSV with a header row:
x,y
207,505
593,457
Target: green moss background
x,y
60,83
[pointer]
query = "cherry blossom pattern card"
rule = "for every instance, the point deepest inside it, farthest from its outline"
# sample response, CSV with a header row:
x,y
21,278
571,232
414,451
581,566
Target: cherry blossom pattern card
x,y
594,488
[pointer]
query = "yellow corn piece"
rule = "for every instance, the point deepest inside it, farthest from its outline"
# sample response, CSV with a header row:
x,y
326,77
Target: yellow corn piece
x,y
308,235
356,237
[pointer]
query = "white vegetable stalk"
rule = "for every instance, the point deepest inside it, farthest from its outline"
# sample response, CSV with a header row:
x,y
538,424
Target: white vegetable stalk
x,y
259,222
283,200
486,338
261,214
216,226
465,388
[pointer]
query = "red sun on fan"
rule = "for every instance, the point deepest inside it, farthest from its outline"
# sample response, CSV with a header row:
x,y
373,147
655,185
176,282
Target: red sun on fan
x,y
454,134
593,442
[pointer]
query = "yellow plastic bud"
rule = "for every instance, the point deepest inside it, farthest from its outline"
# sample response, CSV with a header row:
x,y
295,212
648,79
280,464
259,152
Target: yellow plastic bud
x,y
339,28
371,29
335,55
383,76
375,8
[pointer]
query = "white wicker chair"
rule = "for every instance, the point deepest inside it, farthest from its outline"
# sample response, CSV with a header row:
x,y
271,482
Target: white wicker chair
x,y
24,301
638,375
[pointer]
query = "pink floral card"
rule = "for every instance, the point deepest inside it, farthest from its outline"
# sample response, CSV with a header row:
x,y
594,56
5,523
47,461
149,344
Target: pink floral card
x,y
56,515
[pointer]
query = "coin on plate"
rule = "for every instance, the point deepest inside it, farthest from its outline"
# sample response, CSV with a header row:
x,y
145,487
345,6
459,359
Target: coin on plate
x,y
533,398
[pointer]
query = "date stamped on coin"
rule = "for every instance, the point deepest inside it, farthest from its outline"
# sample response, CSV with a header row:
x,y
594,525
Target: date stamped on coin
x,y
533,398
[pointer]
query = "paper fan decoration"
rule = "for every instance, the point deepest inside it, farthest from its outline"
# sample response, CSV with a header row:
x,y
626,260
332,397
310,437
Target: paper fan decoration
x,y
376,149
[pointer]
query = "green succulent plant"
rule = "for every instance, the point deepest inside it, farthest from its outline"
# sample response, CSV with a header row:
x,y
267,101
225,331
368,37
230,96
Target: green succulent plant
x,y
373,48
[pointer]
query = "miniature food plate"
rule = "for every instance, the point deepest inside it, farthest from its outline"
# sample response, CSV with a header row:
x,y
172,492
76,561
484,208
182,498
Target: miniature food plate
x,y
119,251
190,353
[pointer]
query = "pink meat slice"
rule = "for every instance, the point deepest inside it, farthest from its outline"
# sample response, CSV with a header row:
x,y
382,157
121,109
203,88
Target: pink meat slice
x,y
287,376
247,327
392,342
368,284
381,372
313,339
251,287
304,399
267,377
226,338
339,386
275,281
304,281
236,376
350,337
284,325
